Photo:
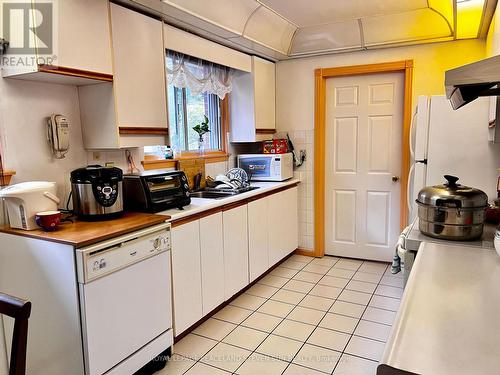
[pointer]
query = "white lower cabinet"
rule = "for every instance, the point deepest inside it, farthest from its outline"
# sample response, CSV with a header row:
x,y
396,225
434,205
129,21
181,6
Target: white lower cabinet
x,y
215,257
258,237
212,261
235,250
282,214
186,276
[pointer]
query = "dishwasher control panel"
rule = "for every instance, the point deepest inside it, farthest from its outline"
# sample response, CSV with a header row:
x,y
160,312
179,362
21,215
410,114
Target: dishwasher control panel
x,y
102,259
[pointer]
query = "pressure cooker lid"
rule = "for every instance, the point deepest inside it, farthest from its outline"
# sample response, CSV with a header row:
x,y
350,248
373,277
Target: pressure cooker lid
x,y
451,194
93,173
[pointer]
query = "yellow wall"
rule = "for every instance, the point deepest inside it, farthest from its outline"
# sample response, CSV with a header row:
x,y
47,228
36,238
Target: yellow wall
x,y
295,78
493,40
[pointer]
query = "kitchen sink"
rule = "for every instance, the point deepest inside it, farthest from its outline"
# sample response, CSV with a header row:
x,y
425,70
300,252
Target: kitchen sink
x,y
213,194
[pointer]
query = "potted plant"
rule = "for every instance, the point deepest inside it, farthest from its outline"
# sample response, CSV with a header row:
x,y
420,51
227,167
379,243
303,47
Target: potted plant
x,y
202,129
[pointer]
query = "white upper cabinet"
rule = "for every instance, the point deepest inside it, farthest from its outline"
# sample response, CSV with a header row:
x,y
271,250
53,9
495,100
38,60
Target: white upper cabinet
x,y
253,102
83,35
139,69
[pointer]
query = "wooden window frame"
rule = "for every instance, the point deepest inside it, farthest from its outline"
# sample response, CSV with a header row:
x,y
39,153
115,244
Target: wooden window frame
x,y
321,75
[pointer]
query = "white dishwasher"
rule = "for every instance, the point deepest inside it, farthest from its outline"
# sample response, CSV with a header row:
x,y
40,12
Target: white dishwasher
x,y
125,297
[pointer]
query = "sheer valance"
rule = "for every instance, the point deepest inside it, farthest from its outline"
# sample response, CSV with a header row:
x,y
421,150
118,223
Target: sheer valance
x,y
198,75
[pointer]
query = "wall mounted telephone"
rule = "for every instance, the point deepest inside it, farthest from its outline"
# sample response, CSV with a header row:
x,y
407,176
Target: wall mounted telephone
x,y
58,135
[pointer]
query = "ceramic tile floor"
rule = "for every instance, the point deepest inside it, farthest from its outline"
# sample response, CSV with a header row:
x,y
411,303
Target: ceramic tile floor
x,y
308,316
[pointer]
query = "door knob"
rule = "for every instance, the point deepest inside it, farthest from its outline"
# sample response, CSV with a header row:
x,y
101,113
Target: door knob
x,y
395,178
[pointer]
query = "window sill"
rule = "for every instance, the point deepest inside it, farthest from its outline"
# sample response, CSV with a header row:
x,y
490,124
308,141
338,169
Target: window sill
x,y
6,177
152,162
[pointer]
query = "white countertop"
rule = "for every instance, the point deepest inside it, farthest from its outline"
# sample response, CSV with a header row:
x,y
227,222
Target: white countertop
x,y
415,238
449,318
201,204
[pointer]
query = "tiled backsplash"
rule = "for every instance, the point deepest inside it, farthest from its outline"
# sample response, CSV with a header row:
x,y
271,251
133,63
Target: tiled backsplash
x,y
304,140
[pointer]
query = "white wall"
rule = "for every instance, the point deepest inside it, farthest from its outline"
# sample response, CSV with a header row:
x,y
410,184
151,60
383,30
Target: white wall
x,y
295,98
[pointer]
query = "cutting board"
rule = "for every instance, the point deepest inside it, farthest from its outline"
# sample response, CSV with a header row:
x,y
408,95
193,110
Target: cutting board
x,y
191,168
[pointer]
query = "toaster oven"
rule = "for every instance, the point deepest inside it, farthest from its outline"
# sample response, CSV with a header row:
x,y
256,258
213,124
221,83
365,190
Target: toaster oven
x,y
155,191
267,167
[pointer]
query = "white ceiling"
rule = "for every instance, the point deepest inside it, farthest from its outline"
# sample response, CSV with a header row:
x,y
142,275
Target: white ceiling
x,y
280,29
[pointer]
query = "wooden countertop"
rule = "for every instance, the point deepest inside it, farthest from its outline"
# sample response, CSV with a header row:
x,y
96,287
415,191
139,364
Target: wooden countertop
x,y
84,233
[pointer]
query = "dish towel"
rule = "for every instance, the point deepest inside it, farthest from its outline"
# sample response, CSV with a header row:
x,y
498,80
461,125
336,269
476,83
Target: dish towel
x,y
397,261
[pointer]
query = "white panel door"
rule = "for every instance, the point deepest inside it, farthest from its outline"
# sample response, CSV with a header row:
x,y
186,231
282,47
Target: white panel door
x,y
235,250
363,152
186,276
212,261
258,241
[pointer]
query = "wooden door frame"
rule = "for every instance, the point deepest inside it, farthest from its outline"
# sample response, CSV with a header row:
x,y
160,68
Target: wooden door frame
x,y
321,75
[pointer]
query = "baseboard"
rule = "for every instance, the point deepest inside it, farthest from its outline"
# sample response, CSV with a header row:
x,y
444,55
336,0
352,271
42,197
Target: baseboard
x,y
306,252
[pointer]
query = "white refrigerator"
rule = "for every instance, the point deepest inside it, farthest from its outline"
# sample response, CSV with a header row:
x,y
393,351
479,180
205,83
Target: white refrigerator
x,y
452,142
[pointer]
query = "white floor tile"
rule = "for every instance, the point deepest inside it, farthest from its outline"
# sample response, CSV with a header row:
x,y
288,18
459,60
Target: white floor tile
x,y
361,286
350,365
246,338
280,347
276,308
389,291
307,276
262,322
379,316
316,268
392,281
348,264
176,365
299,370
337,282
262,365
298,286
283,272
305,315
367,277
386,303
294,330
327,338
374,331
301,258
325,291
247,301
349,309
288,296
233,314
317,358
226,357
274,281
317,303
340,323
326,261
355,297
261,290
293,265
365,348
193,346
202,369
214,329
373,267
339,272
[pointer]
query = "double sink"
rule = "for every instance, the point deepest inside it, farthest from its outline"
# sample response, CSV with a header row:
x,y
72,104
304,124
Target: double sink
x,y
211,194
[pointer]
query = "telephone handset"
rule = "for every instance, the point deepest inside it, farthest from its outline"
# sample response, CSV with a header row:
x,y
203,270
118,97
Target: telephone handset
x,y
58,135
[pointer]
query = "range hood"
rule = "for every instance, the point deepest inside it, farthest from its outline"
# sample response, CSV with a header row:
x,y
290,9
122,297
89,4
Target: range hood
x,y
468,82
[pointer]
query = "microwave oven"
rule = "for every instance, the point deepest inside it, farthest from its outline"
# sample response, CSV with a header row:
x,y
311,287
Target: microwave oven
x,y
267,167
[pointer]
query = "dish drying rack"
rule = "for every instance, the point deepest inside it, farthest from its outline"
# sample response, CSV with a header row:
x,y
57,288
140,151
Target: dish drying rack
x,y
235,181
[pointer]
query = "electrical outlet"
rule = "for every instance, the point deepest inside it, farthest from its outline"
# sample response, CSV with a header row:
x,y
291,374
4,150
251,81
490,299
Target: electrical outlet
x,y
96,155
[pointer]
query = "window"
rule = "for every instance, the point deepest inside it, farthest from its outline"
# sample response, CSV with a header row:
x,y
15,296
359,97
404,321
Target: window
x,y
196,88
187,109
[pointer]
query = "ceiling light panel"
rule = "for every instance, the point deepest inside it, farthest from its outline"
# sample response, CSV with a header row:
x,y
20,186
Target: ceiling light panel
x,y
306,13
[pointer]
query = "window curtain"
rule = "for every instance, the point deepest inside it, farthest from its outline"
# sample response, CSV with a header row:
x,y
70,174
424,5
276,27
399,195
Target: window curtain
x,y
198,75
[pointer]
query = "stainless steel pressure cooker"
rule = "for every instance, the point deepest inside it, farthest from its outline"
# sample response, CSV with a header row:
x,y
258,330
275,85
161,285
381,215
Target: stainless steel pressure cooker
x,y
452,211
